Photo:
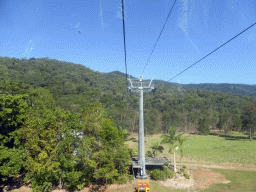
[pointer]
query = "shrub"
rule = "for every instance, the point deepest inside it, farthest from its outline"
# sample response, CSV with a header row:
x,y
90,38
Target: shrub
x,y
158,174
183,171
149,154
186,175
166,165
130,177
132,152
124,179
148,172
170,173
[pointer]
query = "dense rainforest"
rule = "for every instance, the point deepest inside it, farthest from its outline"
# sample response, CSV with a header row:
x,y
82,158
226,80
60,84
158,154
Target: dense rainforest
x,y
48,107
74,87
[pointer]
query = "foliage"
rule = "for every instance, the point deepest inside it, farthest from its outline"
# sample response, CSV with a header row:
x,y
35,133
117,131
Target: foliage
x,y
225,122
62,149
186,175
42,130
181,140
183,171
249,120
164,174
113,156
13,111
203,125
148,154
224,87
132,152
158,174
156,147
170,139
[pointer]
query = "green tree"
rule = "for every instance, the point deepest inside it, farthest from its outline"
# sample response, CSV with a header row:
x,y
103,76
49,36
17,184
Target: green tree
x,y
214,119
181,140
51,142
92,119
225,122
249,120
237,122
156,147
112,158
171,140
203,125
41,131
13,111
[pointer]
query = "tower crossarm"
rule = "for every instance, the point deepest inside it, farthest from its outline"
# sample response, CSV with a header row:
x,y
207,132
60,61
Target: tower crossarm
x,y
137,84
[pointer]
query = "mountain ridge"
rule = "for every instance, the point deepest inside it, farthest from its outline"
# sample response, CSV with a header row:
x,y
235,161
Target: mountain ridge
x,y
224,87
48,68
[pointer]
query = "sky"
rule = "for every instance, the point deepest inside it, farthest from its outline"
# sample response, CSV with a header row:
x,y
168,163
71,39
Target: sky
x,y
90,32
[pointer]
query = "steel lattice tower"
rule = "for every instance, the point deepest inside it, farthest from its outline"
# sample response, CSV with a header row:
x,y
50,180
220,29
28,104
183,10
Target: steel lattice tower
x,y
140,86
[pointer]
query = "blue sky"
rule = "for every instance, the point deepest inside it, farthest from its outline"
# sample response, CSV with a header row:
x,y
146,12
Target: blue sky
x,y
50,28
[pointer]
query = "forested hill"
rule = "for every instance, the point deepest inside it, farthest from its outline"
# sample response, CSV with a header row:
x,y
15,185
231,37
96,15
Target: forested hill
x,y
66,81
43,72
223,87
75,86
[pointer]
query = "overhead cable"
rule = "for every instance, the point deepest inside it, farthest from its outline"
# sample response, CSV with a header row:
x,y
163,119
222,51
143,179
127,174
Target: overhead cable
x,y
124,41
158,37
214,50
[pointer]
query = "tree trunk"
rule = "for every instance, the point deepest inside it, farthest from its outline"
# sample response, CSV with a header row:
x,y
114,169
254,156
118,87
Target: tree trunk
x,y
250,134
174,163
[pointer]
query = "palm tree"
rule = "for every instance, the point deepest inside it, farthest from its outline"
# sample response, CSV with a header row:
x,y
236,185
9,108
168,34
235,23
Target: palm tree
x,y
181,140
170,139
156,147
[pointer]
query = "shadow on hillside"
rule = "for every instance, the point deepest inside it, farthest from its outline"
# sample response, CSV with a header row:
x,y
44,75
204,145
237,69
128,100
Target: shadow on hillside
x,y
232,137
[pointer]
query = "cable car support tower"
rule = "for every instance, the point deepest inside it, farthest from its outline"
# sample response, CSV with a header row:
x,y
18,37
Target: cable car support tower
x,y
140,86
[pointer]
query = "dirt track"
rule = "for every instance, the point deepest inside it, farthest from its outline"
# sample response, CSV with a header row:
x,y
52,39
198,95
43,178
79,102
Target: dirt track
x,y
221,166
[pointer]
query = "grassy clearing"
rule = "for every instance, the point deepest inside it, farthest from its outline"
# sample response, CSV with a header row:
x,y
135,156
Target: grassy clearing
x,y
234,148
240,181
220,149
156,187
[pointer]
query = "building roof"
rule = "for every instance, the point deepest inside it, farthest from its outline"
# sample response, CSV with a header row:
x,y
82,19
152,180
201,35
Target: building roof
x,y
150,161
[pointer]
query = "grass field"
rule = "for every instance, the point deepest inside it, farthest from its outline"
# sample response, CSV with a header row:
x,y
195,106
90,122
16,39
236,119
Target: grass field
x,y
215,148
240,181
